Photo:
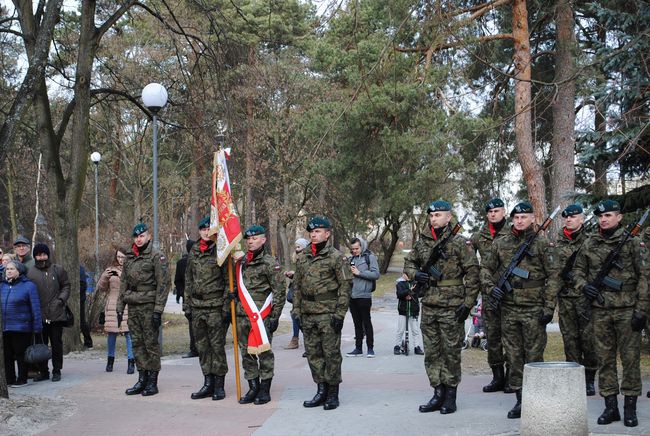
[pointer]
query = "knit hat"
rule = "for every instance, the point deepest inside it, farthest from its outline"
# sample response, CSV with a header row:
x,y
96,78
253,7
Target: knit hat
x,y
40,248
302,243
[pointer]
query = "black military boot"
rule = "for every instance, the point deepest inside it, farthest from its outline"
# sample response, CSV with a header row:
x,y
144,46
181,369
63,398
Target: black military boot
x,y
506,382
498,380
611,413
264,394
253,389
332,401
109,364
435,403
449,405
138,387
152,384
590,375
515,412
130,369
219,392
629,412
319,398
206,390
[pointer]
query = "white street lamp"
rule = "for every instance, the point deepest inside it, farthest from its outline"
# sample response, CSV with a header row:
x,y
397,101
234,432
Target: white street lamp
x,y
154,97
95,157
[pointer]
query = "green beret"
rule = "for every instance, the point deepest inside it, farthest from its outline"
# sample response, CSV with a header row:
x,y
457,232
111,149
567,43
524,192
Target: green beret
x,y
572,209
522,207
439,206
205,223
139,229
607,206
253,230
318,222
494,203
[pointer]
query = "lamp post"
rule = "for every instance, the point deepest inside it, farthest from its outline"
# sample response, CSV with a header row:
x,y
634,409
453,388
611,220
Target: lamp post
x,y
95,157
154,97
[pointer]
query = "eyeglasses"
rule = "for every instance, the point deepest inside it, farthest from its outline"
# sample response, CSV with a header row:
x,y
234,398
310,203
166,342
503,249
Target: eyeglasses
x,y
121,256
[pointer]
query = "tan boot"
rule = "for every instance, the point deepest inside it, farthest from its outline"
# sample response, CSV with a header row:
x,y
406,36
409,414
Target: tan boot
x,y
293,344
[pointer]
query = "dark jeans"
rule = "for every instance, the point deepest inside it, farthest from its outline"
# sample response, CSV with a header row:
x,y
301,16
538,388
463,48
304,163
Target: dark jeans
x,y
15,344
360,311
53,334
83,324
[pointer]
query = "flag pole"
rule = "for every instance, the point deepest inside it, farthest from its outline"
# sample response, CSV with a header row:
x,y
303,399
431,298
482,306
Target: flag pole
x,y
233,319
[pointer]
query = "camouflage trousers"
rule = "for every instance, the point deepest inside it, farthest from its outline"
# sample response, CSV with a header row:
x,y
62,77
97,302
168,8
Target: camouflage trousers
x,y
323,348
613,332
443,341
524,339
210,340
492,320
144,337
578,337
255,365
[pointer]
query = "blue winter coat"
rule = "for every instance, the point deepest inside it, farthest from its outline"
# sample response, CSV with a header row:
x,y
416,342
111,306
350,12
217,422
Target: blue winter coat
x,y
21,308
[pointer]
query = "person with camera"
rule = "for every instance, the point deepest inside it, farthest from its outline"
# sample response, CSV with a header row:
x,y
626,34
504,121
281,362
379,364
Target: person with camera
x,y
365,270
21,319
109,284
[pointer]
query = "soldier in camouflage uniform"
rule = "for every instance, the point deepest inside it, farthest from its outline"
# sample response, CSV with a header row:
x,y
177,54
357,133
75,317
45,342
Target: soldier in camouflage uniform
x,y
144,287
577,335
204,303
445,303
618,322
482,241
646,242
322,285
262,276
529,308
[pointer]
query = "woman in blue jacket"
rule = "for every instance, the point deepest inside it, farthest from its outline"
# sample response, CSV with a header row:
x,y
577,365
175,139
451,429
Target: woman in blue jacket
x,y
21,318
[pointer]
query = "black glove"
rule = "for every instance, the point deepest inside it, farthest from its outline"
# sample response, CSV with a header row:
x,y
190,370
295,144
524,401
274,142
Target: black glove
x,y
462,312
119,319
102,318
638,321
337,324
225,319
545,318
422,278
273,324
497,293
156,320
188,315
590,292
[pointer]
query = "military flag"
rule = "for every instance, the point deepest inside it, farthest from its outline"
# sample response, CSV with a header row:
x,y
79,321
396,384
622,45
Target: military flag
x,y
225,228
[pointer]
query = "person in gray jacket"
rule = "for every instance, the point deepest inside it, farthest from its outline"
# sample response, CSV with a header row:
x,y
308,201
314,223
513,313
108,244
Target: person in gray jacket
x,y
366,272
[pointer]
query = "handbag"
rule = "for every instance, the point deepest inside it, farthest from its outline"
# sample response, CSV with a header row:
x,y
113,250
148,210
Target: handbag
x,y
290,294
69,317
37,353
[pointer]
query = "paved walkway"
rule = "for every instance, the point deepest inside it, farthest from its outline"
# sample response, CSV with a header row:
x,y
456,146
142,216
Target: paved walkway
x,y
378,396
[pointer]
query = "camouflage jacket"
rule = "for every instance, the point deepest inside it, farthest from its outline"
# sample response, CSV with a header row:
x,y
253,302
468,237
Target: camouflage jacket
x,y
461,266
206,283
144,279
541,287
564,251
262,276
482,240
322,283
633,264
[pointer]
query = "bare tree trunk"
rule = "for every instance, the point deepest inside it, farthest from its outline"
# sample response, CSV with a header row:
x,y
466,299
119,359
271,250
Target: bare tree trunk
x,y
10,198
530,166
249,212
562,145
392,224
273,227
602,162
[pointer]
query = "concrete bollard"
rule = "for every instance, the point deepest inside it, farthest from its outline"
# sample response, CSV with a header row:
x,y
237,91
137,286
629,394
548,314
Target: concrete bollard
x,y
554,400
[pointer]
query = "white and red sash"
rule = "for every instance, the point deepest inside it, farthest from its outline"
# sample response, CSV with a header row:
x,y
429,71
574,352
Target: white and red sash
x,y
258,339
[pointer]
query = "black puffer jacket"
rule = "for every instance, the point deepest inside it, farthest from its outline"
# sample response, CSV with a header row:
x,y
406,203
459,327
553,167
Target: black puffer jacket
x,y
403,290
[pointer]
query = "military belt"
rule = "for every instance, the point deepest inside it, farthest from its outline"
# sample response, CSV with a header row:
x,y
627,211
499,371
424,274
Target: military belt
x,y
630,287
142,288
321,297
529,284
450,282
202,297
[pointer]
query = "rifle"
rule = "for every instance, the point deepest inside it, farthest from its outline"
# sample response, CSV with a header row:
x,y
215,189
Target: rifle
x,y
513,266
603,280
438,252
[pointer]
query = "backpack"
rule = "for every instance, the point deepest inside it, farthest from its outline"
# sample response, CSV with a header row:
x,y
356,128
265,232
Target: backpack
x,y
366,256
